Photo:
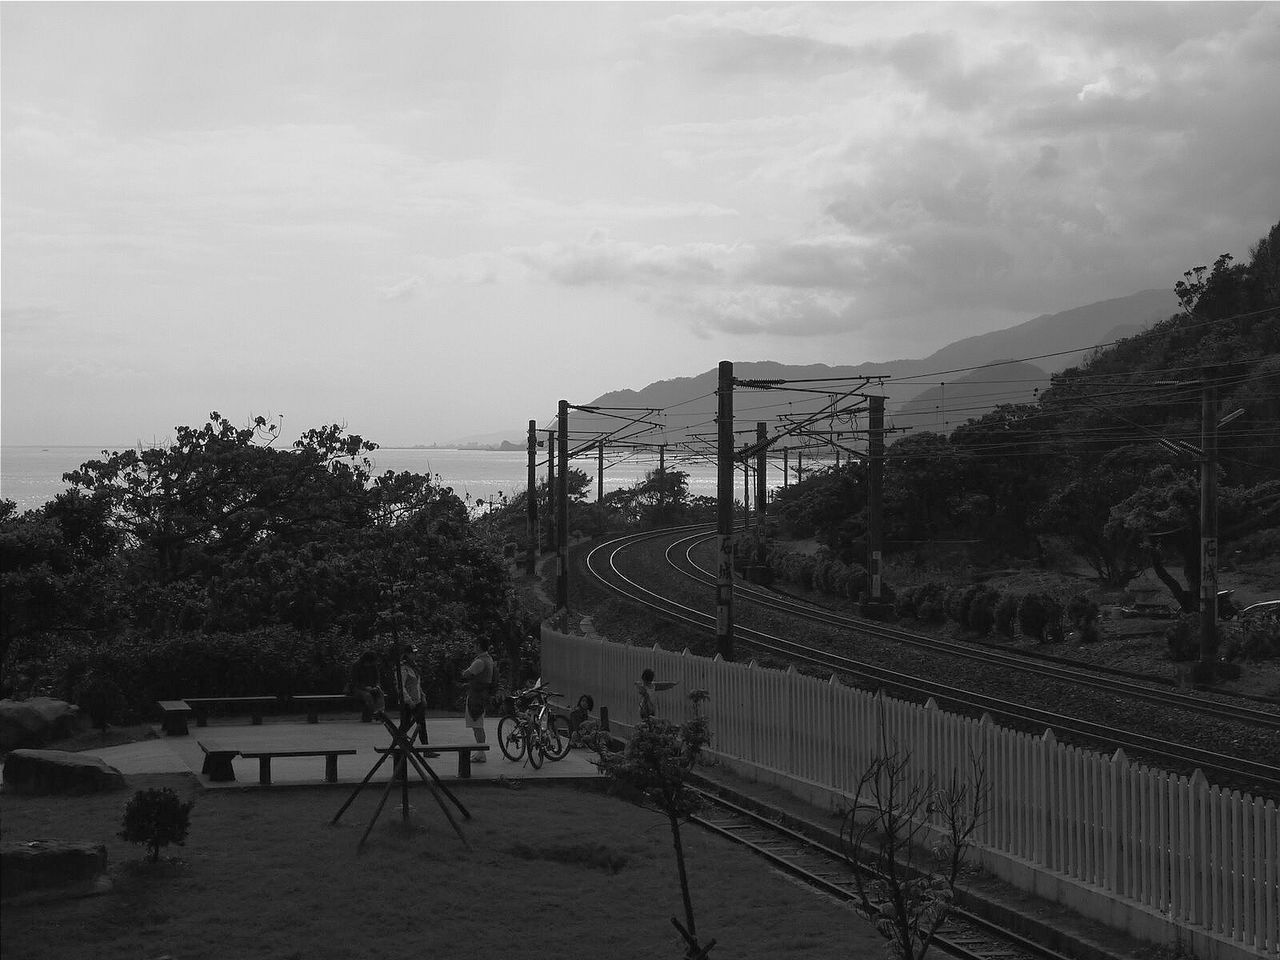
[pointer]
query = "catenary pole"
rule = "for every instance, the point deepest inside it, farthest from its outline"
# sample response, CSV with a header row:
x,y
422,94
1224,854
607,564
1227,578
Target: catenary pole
x,y
875,502
531,517
1208,531
562,510
551,490
762,485
724,511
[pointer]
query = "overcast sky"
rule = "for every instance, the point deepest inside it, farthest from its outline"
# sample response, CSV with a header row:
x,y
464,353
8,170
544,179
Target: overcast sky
x,y
431,220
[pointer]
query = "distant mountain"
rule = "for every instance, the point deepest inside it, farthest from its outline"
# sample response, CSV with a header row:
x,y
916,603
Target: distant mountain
x,y
961,381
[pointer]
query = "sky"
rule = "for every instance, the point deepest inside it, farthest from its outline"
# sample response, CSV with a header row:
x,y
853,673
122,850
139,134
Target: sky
x,y
426,221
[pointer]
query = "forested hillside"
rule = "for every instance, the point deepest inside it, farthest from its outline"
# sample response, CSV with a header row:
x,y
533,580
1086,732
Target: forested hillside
x,y
1108,458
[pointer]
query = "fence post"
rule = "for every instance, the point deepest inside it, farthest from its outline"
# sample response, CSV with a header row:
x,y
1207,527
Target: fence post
x,y
1118,776
1044,791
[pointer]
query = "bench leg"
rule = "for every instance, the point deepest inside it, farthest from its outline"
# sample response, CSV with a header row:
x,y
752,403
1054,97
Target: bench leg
x,y
202,719
175,726
313,715
219,768
464,765
331,768
264,770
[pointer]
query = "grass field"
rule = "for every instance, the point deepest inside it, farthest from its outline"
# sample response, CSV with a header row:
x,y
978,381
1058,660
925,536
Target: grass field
x,y
554,871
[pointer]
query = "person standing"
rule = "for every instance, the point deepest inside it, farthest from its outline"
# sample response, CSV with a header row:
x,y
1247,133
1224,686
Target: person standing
x,y
413,704
646,686
479,678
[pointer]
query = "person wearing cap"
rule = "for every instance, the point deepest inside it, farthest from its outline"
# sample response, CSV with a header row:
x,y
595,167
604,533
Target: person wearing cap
x,y
413,705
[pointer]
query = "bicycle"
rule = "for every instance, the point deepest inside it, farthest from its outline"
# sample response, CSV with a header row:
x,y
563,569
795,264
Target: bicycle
x,y
531,729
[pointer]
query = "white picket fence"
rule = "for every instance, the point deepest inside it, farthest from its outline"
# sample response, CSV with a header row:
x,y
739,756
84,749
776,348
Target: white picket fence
x,y
1188,860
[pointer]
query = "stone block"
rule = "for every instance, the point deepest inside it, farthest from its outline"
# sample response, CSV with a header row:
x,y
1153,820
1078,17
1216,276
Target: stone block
x,y
60,772
42,866
37,721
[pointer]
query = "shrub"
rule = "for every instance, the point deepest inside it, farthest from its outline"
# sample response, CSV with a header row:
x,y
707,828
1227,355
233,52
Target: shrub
x,y
953,602
1033,616
1006,611
1081,610
982,611
155,819
1053,632
929,600
1260,637
904,604
968,598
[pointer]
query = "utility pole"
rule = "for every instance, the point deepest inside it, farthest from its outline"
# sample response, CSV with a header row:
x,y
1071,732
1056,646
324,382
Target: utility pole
x,y
562,511
724,511
662,459
761,468
746,495
786,451
875,506
1208,531
551,490
531,518
600,474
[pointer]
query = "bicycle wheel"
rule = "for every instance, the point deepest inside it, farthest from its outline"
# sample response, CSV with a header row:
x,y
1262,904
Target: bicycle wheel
x,y
557,737
534,738
511,738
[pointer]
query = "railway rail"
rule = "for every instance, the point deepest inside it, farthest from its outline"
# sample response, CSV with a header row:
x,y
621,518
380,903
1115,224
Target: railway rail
x,y
1134,686
817,864
1250,775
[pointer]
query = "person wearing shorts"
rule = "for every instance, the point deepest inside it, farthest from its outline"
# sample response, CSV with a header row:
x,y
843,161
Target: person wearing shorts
x,y
479,680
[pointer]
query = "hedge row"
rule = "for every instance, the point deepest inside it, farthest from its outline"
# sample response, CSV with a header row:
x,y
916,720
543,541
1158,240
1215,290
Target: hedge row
x,y
126,676
984,610
819,572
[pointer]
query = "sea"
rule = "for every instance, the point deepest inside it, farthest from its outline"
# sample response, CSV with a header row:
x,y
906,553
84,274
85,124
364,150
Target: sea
x,y
32,475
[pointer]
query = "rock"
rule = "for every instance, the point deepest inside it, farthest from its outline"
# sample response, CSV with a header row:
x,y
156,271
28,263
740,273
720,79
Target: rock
x,y
35,722
39,866
58,771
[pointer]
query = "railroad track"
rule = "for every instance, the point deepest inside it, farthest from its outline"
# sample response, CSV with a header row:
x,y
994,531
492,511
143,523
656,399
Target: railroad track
x,y
1134,686
1255,777
819,865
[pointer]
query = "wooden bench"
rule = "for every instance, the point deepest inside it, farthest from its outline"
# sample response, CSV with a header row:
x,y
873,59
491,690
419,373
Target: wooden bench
x,y
174,717
463,751
217,761
264,761
255,704
313,702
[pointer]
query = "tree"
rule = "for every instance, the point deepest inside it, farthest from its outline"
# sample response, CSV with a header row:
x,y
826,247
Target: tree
x,y
1081,511
655,765
156,818
884,834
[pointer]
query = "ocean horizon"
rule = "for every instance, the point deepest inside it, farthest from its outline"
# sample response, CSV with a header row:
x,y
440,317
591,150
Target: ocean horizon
x,y
31,474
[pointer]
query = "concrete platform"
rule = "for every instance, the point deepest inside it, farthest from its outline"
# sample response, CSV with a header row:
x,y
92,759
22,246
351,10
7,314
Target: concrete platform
x,y
167,754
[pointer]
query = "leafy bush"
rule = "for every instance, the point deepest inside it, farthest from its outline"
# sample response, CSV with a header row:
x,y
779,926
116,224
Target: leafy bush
x,y
1260,637
904,604
982,611
1040,618
155,819
1081,610
1006,611
929,602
